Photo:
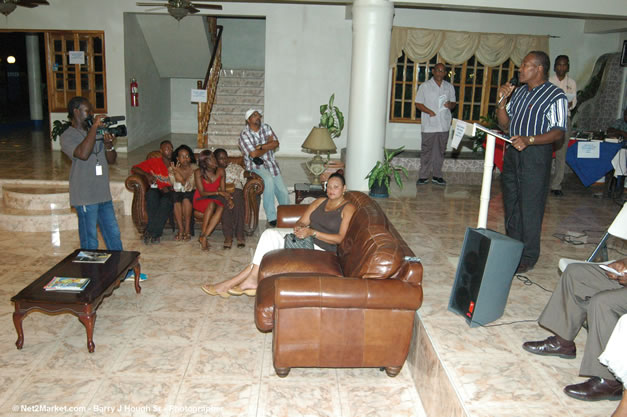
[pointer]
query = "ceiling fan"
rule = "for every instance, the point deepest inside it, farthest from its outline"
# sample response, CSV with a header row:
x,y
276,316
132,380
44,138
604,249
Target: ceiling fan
x,y
178,9
7,6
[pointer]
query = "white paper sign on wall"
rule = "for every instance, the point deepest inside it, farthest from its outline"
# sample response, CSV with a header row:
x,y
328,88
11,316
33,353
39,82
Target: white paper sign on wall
x,y
77,57
199,96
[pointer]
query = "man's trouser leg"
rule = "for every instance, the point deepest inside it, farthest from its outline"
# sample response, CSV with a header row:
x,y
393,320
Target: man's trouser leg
x,y
108,225
159,207
426,150
280,191
560,161
87,230
574,300
534,188
268,193
437,153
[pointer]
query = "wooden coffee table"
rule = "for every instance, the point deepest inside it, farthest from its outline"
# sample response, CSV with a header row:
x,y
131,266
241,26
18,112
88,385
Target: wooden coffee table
x,y
302,190
104,277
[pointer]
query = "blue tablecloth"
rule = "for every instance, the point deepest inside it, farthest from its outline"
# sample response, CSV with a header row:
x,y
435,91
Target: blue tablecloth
x,y
589,170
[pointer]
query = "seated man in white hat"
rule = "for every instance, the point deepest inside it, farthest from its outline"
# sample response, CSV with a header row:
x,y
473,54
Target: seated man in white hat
x,y
257,143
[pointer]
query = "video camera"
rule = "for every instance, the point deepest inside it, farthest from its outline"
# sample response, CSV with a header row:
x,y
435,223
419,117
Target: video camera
x,y
107,128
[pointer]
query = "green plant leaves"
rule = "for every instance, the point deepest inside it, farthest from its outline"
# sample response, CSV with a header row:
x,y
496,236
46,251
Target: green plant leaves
x,y
383,170
332,118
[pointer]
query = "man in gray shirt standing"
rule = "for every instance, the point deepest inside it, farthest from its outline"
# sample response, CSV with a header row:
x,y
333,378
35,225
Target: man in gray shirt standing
x,y
90,194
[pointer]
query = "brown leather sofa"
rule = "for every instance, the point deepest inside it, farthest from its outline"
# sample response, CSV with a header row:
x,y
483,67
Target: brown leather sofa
x,y
355,308
138,185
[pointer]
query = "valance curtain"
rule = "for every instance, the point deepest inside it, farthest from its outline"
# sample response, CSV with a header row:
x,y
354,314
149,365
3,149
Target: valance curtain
x,y
491,49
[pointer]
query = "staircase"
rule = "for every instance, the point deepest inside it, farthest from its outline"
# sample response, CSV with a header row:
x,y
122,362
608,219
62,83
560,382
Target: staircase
x,y
238,91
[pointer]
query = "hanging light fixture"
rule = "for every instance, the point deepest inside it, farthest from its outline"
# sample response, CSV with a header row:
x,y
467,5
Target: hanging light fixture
x,y
178,12
7,6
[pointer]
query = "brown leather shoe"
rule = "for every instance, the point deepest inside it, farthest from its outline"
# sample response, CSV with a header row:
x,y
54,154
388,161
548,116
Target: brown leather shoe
x,y
552,346
595,389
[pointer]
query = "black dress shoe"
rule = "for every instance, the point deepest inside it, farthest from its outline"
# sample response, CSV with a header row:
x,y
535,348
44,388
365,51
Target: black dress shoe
x,y
272,223
523,267
595,389
552,346
557,193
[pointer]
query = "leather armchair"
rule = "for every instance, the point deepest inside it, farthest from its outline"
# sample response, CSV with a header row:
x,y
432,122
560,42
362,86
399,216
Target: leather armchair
x,y
355,308
138,184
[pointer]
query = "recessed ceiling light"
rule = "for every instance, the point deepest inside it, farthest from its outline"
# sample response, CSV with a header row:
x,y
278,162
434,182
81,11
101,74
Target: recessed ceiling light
x,y
11,59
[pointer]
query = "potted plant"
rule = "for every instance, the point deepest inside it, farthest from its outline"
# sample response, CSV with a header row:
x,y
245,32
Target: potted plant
x,y
379,176
488,121
332,118
58,127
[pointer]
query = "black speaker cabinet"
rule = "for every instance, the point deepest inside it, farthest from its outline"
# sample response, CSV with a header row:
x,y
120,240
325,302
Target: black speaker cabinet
x,y
484,275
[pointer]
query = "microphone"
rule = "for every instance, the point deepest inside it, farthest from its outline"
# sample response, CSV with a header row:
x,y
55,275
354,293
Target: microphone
x,y
514,81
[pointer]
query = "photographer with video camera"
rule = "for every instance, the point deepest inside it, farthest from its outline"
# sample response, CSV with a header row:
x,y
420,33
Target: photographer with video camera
x,y
91,153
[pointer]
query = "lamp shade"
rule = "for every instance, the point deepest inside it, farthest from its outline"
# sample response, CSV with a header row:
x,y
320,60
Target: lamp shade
x,y
319,140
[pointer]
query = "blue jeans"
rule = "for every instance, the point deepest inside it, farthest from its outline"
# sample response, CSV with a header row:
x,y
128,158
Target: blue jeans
x,y
273,186
103,216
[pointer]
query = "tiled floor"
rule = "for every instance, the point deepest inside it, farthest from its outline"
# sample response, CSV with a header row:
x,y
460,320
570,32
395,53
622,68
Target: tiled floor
x,y
159,355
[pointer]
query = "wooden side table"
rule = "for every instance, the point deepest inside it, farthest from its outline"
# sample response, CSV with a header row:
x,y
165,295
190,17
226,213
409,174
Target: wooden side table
x,y
303,190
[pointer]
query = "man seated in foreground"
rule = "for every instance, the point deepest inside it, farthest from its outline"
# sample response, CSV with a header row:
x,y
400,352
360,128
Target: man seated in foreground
x,y
585,291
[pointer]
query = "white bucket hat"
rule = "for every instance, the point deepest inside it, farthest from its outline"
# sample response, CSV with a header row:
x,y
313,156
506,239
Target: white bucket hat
x,y
250,112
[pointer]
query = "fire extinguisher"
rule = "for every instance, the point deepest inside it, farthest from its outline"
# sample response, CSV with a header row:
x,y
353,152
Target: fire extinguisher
x,y
134,93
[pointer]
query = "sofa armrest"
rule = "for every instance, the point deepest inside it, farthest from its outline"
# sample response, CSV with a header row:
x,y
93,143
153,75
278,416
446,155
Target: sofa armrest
x,y
138,184
288,215
252,192
299,261
333,292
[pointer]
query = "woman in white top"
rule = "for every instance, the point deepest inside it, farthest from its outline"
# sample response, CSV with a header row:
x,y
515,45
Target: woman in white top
x,y
181,172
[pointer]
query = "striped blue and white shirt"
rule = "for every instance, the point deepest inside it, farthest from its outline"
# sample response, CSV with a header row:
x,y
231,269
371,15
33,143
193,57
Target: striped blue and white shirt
x,y
535,112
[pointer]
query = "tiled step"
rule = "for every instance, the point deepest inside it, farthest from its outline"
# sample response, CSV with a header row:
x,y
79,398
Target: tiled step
x,y
228,118
223,141
35,197
223,129
243,100
232,73
39,208
241,82
233,109
239,91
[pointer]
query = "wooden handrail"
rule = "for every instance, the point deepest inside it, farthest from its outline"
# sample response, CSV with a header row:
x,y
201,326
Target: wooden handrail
x,y
210,84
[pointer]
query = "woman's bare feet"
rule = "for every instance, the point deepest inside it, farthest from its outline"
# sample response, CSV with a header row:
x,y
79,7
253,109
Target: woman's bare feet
x,y
204,245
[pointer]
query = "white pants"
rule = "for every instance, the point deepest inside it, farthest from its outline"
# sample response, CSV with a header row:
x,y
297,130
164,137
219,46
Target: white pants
x,y
614,354
272,239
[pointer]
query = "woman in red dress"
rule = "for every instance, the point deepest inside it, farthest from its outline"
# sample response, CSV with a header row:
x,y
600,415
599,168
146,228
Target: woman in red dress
x,y
210,182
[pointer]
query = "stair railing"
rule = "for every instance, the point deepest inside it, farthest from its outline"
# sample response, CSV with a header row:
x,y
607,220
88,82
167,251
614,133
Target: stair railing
x,y
210,84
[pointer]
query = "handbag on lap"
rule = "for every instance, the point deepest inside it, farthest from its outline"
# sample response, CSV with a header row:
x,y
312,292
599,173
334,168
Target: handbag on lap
x,y
292,242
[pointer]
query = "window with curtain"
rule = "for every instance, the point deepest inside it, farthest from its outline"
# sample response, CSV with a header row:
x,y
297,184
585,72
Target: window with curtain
x,y
477,64
475,86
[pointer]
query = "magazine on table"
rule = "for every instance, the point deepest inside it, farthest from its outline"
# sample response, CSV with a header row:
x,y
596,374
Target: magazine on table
x,y
67,284
92,257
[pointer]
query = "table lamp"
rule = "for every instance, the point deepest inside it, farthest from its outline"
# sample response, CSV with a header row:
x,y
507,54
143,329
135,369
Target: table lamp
x,y
318,141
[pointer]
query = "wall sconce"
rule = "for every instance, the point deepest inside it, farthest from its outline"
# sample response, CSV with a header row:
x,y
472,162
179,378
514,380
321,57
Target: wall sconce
x,y
318,141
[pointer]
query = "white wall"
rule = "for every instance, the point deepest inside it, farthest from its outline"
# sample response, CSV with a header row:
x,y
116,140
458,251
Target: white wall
x,y
151,119
243,43
184,113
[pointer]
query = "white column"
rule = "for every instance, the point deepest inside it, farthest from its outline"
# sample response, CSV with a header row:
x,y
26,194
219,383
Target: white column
x,y
372,30
34,79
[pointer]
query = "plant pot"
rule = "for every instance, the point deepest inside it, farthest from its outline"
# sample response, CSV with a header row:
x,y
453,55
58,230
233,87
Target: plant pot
x,y
379,190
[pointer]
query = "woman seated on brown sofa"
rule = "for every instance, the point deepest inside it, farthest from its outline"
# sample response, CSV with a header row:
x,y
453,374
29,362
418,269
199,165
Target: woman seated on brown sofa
x,y
210,182
233,219
181,172
326,220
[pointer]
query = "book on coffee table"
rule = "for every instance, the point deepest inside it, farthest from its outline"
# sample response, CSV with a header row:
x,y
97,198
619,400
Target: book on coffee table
x,y
92,257
66,284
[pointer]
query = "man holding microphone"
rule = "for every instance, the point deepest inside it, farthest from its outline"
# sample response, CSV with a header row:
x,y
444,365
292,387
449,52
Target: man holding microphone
x,y
535,117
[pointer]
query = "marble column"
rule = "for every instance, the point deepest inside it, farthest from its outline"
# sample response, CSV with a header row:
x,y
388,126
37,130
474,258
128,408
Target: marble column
x,y
34,79
372,30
